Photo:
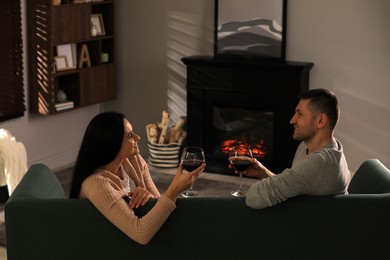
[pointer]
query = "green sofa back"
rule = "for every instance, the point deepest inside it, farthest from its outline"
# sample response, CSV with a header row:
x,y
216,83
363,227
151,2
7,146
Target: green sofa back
x,y
48,226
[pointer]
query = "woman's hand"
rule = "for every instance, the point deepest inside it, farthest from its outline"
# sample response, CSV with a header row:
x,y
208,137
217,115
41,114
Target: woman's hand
x,y
182,181
139,197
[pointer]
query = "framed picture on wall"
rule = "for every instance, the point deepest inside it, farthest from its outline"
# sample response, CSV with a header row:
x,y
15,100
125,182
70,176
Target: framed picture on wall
x,y
250,28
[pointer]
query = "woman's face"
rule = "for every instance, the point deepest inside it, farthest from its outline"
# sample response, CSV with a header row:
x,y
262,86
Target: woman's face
x,y
129,144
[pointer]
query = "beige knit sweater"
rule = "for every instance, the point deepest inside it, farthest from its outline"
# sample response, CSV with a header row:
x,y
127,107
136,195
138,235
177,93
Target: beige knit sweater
x,y
104,190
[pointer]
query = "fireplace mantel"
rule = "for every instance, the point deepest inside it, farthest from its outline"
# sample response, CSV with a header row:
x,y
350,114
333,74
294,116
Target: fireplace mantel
x,y
246,62
244,83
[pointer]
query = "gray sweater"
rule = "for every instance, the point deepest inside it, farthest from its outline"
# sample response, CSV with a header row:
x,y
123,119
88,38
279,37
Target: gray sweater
x,y
324,172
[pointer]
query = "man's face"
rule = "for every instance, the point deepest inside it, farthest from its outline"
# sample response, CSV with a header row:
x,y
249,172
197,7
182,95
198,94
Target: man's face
x,y
304,122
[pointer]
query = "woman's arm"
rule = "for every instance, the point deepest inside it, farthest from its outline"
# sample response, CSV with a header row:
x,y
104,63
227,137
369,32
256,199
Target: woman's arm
x,y
106,195
107,198
138,171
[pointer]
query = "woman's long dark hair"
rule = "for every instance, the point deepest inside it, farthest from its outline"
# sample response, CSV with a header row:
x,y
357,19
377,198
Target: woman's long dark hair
x,y
101,144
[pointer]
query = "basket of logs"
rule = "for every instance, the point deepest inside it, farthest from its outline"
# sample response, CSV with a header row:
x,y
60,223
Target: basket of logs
x,y
164,141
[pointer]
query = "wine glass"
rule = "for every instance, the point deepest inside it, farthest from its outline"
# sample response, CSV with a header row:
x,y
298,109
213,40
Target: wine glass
x,y
240,165
191,159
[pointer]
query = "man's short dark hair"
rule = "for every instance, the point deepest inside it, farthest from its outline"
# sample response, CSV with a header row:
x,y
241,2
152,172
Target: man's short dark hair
x,y
323,101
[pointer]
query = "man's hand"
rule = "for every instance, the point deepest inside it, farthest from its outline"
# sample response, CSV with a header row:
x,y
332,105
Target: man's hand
x,y
256,169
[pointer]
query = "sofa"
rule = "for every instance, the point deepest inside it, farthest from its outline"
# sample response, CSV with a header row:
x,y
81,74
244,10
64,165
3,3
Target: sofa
x,y
42,224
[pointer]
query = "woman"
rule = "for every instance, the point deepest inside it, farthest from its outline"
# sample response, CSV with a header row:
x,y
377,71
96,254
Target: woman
x,y
108,163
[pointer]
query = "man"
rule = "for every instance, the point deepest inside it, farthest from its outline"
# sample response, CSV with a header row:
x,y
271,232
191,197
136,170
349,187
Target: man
x,y
319,166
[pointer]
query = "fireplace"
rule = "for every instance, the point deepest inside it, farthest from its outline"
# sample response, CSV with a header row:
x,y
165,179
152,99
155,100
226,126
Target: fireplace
x,y
234,125
234,101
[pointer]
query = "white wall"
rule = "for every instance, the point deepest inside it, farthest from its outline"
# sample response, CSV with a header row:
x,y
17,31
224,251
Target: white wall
x,y
348,41
53,140
153,37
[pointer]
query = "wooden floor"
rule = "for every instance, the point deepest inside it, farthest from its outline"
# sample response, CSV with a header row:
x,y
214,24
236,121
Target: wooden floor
x,y
206,182
3,253
3,250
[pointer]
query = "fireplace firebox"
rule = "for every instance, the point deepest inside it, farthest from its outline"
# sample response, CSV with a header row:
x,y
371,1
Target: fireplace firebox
x,y
241,101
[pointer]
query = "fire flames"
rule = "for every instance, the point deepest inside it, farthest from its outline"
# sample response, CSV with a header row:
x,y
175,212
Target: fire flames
x,y
259,149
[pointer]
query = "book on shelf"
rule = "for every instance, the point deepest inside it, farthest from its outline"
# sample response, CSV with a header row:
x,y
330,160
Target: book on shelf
x,y
64,105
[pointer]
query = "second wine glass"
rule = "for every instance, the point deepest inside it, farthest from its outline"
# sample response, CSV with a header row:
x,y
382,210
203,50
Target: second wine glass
x,y
240,164
191,159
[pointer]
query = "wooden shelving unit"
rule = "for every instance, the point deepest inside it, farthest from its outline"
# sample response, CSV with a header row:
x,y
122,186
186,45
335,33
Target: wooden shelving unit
x,y
67,26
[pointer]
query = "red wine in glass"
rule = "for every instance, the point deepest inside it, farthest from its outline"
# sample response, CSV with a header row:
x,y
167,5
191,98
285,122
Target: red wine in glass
x,y
241,166
191,165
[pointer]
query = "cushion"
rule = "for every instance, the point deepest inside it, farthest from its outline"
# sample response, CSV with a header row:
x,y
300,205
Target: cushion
x,y
39,182
372,177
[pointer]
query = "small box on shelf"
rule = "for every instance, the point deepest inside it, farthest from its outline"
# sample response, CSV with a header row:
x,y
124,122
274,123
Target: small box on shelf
x,y
64,105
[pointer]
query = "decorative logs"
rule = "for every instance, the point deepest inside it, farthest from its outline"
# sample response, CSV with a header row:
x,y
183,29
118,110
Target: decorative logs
x,y
164,133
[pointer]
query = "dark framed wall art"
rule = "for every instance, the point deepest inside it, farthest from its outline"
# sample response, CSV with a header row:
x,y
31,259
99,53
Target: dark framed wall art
x,y
250,28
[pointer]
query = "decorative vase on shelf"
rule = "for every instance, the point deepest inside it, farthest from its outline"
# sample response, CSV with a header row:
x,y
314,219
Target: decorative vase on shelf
x,y
104,57
61,96
93,30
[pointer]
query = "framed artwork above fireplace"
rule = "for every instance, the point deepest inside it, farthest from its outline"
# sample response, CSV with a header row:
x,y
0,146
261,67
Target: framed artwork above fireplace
x,y
250,28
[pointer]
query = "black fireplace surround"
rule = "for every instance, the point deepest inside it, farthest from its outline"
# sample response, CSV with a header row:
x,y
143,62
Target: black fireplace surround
x,y
218,89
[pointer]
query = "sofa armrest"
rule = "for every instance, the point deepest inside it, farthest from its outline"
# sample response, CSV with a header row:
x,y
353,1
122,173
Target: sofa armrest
x,y
39,182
